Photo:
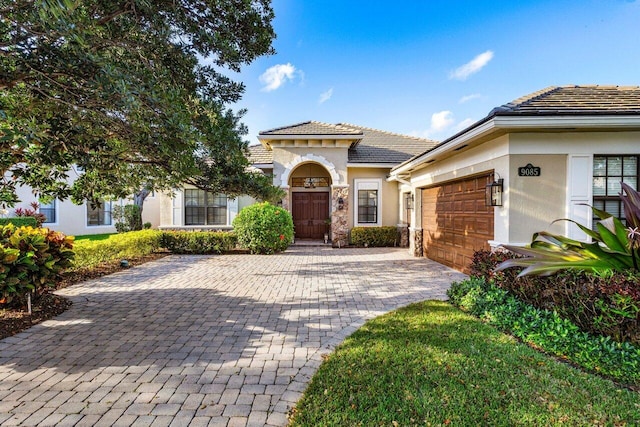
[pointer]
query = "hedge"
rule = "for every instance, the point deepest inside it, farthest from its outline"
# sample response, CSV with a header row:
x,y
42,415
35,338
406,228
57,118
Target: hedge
x,y
374,236
603,304
264,228
198,242
19,221
118,246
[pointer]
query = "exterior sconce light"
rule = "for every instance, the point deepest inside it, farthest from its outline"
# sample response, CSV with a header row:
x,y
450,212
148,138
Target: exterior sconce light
x,y
340,203
493,193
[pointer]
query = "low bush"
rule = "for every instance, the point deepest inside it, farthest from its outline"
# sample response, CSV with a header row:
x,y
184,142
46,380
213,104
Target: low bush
x,y
118,246
198,242
547,329
19,221
31,259
264,228
600,303
374,236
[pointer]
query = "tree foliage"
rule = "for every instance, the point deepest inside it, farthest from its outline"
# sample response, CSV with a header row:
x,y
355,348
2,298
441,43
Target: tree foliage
x,y
134,93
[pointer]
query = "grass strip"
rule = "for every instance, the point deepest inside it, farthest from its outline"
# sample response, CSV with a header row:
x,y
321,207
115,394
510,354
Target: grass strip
x,y
432,364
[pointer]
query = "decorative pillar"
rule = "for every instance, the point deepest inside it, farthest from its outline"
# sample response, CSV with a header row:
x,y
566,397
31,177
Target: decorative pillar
x,y
285,200
403,233
339,215
415,242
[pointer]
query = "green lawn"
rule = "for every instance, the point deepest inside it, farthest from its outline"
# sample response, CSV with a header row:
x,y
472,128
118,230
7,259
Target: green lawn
x,y
432,364
94,237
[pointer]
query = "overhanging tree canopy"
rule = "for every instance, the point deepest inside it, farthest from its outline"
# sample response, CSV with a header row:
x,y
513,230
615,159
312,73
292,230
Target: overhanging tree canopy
x,y
121,90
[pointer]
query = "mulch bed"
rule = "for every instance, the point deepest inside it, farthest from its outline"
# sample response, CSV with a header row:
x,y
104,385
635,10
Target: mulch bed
x,y
15,318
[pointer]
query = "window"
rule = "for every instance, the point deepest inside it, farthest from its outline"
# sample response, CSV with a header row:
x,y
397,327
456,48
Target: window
x,y
368,206
100,214
367,201
49,211
608,172
203,208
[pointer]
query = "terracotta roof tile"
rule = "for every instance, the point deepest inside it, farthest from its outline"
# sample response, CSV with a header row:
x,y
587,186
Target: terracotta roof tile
x,y
374,146
312,128
575,100
259,154
379,146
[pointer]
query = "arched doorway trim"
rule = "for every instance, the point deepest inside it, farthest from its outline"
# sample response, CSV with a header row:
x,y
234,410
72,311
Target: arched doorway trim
x,y
308,158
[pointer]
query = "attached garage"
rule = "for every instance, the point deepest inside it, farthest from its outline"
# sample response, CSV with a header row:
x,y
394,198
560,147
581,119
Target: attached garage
x,y
456,222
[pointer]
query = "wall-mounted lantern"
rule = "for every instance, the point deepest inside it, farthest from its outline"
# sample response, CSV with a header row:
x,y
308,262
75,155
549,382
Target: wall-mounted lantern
x,y
409,201
340,203
493,193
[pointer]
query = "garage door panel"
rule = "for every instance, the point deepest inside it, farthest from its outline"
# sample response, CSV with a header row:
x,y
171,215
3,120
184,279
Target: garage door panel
x,y
456,221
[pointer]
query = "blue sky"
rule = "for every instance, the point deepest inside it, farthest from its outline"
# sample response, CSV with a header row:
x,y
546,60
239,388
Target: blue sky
x,y
431,68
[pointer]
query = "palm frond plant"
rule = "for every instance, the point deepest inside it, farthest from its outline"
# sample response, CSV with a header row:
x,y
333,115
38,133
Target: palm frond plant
x,y
613,246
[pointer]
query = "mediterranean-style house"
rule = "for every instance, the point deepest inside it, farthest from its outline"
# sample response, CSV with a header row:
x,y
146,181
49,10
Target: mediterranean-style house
x,y
545,156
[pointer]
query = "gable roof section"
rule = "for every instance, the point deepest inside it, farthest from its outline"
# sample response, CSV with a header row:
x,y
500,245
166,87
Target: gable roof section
x,y
312,128
372,146
591,107
378,146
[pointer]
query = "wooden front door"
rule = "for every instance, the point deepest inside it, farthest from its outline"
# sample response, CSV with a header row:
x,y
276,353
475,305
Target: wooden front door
x,y
310,211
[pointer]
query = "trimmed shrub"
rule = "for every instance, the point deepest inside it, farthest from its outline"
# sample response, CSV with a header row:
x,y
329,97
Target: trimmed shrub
x,y
263,228
198,242
31,259
133,244
603,304
19,221
374,236
547,330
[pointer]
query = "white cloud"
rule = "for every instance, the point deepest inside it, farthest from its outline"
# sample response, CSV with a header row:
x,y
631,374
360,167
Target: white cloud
x,y
276,76
443,125
441,121
325,96
469,98
471,67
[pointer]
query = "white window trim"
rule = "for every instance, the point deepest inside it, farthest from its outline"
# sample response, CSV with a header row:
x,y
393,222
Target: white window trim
x,y
93,227
367,184
56,211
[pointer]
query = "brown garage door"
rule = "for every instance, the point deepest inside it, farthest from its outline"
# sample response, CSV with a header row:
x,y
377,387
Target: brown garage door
x,y
456,222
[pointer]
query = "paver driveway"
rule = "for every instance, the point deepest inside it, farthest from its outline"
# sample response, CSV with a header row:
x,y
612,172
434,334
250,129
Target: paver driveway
x,y
203,340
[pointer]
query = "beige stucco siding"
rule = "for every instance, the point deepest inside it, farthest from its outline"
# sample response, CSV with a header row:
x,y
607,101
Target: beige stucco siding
x,y
287,160
536,201
389,197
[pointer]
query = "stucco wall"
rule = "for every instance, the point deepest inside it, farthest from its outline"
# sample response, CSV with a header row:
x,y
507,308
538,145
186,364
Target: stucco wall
x,y
530,204
536,201
389,202
289,157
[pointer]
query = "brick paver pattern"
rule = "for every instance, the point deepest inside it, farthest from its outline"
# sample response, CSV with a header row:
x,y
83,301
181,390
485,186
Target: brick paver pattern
x,y
227,340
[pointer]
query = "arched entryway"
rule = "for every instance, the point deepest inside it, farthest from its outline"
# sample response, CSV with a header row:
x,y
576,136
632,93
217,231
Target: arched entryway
x,y
310,185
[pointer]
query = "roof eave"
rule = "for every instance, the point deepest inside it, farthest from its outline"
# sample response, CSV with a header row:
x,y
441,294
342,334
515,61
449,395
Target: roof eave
x,y
503,123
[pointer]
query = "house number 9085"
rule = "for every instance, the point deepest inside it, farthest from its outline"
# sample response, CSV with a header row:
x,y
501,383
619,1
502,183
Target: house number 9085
x,y
529,170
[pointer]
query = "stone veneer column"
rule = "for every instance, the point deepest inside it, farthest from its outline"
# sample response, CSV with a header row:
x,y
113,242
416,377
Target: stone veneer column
x,y
339,217
415,241
285,199
403,232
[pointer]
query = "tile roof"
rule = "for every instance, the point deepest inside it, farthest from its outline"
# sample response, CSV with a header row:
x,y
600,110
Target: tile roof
x,y
379,146
575,100
373,146
312,128
259,154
